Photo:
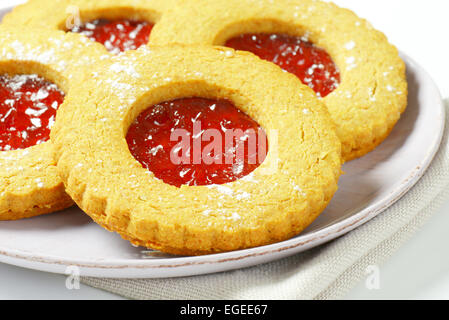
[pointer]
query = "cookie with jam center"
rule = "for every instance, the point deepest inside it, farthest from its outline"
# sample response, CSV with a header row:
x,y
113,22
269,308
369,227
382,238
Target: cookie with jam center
x,y
116,26
350,65
37,71
121,165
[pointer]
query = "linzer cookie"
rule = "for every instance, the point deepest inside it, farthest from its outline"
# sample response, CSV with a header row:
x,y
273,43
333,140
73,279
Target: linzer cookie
x,y
118,25
37,71
348,64
196,150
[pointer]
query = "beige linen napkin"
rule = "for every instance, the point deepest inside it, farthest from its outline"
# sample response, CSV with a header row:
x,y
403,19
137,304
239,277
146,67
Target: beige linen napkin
x,y
326,272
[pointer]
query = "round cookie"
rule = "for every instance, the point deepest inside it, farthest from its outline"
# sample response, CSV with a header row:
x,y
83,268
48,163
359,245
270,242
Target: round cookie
x,y
29,183
67,14
276,201
372,93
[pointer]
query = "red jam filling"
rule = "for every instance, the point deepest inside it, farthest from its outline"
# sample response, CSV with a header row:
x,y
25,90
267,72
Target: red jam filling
x,y
118,35
311,64
197,141
28,105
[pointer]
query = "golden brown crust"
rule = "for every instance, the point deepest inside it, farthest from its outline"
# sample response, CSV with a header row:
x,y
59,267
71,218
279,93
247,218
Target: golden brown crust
x,y
59,14
29,182
373,91
277,201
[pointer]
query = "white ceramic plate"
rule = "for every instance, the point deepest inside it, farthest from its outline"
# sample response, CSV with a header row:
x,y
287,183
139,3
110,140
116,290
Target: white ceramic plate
x,y
370,185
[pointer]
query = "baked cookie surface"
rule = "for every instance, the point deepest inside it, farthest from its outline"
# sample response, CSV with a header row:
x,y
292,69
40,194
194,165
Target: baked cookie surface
x,y
372,93
66,15
29,183
279,199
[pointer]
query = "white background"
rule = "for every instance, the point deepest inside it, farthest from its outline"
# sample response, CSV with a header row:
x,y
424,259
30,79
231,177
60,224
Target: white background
x,y
419,270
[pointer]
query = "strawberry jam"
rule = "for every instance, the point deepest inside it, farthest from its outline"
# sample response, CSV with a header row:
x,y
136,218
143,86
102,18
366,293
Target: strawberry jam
x,y
118,35
312,65
28,105
197,141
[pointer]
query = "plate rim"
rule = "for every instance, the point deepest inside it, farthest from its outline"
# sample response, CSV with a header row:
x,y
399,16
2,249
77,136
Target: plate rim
x,y
281,249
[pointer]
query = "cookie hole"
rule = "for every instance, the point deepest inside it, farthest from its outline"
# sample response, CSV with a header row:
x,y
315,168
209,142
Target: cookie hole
x,y
197,140
30,94
118,29
257,26
288,47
